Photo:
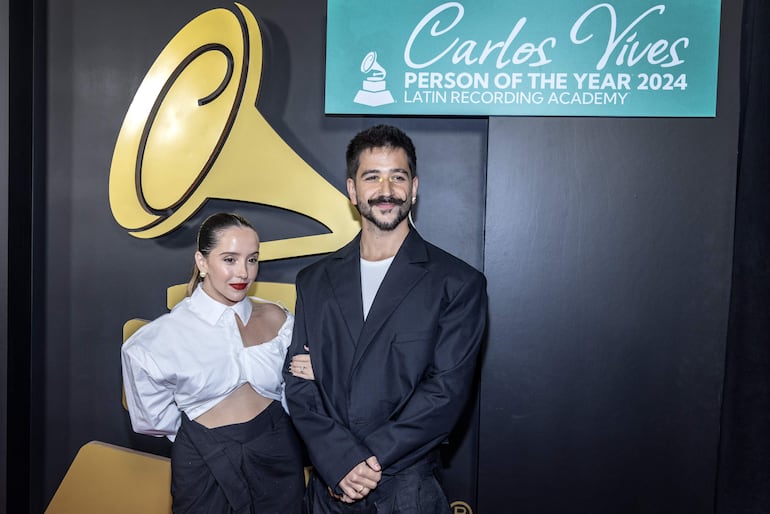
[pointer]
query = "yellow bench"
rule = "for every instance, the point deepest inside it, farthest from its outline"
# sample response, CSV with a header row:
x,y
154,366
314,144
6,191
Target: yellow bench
x,y
108,479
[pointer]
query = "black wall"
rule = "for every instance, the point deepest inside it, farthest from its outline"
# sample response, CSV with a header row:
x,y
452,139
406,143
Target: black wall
x,y
25,139
744,471
3,235
609,249
607,243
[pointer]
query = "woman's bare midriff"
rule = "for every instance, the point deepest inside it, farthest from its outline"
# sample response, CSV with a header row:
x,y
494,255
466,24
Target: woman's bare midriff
x,y
240,406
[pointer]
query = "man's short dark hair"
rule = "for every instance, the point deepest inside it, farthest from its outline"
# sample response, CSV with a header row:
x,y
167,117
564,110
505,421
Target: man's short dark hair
x,y
379,136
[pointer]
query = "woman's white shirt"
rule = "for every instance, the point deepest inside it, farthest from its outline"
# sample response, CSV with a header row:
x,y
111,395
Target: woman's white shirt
x,y
192,358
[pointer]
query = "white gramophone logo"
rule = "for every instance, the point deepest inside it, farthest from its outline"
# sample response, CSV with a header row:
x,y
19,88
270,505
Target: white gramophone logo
x,y
374,91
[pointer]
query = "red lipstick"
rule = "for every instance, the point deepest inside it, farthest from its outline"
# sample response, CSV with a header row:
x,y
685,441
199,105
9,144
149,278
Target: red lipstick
x,y
239,287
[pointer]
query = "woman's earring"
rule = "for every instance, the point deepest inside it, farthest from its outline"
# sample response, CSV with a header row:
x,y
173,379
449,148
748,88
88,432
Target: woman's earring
x,y
203,274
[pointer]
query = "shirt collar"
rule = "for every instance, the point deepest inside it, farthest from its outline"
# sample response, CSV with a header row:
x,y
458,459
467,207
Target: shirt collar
x,y
211,310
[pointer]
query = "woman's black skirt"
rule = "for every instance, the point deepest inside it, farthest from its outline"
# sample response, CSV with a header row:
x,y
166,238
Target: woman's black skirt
x,y
254,467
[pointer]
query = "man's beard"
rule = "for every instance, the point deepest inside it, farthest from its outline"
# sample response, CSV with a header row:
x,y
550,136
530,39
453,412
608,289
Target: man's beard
x,y
402,210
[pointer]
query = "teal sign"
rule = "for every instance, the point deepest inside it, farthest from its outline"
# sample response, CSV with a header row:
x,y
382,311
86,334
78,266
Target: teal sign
x,y
522,57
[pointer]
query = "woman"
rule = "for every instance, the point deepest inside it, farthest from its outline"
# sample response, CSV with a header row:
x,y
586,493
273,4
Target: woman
x,y
208,376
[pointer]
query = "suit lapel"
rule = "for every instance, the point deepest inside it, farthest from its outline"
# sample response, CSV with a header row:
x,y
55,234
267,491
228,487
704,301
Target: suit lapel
x,y
404,273
345,278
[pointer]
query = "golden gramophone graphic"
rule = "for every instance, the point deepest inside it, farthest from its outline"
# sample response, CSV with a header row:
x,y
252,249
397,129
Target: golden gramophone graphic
x,y
193,133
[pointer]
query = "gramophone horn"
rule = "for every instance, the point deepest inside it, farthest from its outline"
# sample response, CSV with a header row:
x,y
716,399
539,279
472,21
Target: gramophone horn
x,y
193,132
370,64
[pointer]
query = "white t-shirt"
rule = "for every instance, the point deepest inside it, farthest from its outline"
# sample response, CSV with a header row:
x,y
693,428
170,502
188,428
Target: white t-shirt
x,y
190,359
372,273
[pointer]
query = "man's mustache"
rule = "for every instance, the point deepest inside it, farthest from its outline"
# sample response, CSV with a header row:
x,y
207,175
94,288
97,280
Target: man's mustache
x,y
385,199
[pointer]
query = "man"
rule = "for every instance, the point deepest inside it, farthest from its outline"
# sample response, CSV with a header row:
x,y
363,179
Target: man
x,y
393,325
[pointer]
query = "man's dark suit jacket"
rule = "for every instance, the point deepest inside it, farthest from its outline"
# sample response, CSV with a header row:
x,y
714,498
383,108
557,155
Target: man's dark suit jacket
x,y
395,385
